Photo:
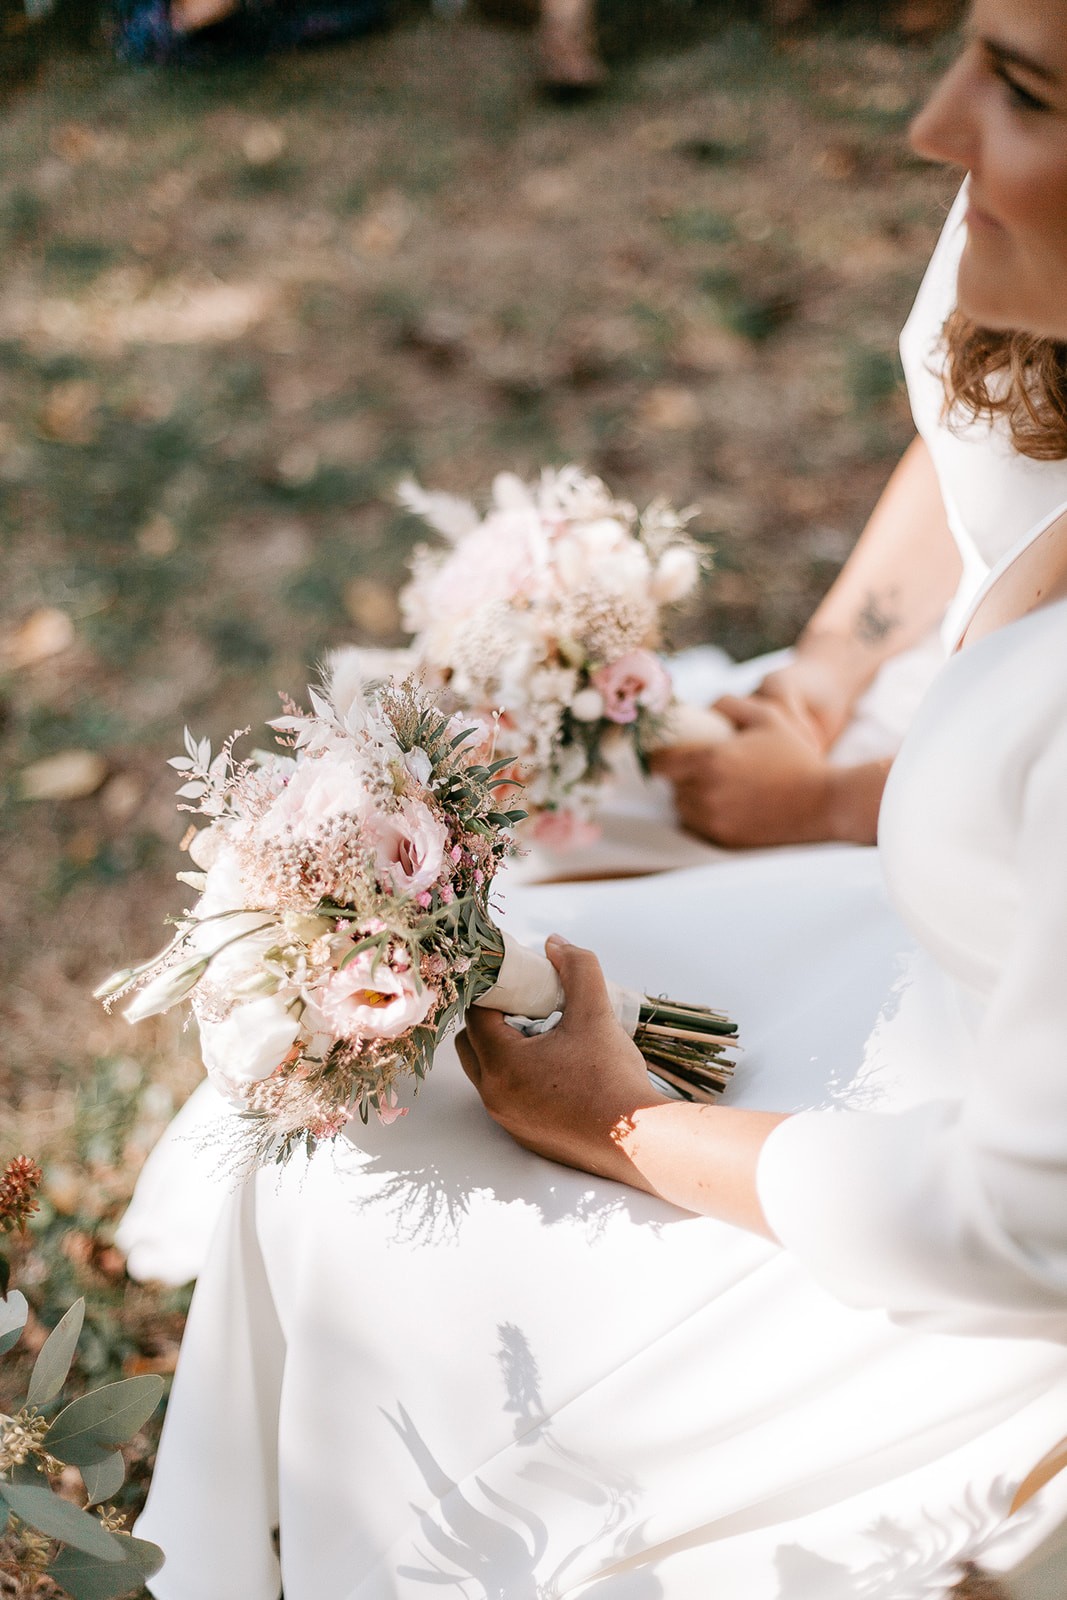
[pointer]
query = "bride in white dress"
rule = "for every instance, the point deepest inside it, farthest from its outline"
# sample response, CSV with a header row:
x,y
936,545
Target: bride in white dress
x,y
960,503
443,1362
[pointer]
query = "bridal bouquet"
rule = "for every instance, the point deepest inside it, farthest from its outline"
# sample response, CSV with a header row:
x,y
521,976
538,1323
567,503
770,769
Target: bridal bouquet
x,y
343,919
541,620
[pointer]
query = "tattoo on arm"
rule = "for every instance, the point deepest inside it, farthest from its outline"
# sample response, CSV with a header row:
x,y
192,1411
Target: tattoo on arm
x,y
875,621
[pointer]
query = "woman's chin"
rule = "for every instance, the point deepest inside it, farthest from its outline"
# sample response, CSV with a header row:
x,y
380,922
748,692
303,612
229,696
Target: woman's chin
x,y
994,295
984,296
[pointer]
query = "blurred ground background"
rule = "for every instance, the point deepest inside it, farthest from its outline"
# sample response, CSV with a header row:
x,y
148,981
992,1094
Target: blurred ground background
x,y
237,305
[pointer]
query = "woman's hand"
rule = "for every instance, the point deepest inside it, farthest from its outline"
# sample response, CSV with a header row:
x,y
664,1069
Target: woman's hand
x,y
771,784
581,1095
570,1094
814,691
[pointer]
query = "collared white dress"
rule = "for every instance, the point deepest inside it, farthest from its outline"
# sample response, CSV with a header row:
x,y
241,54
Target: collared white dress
x,y
444,1366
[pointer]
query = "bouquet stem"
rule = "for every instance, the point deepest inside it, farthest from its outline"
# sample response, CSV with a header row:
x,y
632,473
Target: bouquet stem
x,y
684,1045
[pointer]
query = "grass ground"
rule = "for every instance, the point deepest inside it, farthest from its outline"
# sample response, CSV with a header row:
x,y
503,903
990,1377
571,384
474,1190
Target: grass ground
x,y
237,306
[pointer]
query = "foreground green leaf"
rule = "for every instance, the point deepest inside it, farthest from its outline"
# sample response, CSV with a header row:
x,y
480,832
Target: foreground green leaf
x,y
104,1479
56,1354
13,1313
58,1519
86,1579
86,1432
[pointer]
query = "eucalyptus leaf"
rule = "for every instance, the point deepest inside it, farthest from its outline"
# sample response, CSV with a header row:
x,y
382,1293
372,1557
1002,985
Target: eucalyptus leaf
x,y
87,1431
58,1519
13,1314
86,1579
56,1354
104,1479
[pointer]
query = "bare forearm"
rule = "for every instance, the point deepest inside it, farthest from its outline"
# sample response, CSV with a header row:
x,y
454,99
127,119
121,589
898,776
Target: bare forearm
x,y
896,584
581,1095
701,1158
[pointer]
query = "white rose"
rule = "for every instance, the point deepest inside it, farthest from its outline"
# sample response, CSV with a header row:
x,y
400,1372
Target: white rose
x,y
587,551
254,1039
525,650
233,942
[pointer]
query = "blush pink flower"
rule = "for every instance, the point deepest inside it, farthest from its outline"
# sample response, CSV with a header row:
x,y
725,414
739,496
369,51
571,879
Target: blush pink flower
x,y
390,1109
319,789
409,846
498,560
637,679
372,1000
563,830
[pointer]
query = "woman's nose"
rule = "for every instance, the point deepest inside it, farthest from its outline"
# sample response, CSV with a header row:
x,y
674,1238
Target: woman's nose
x,y
944,128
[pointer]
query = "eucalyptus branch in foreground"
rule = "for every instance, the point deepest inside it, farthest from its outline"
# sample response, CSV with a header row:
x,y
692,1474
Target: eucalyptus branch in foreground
x,y
83,1549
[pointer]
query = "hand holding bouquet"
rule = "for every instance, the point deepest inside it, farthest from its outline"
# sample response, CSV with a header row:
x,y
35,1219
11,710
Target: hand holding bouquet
x,y
541,620
343,921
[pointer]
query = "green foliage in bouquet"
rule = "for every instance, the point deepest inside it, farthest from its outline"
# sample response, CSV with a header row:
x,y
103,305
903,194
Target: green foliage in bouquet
x,y
85,1554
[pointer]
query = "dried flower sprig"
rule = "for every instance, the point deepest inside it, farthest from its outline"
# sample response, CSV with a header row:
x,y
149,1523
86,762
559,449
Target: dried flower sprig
x,y
19,1183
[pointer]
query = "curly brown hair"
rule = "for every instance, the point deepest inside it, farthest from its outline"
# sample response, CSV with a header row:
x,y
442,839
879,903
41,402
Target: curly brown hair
x,y
1032,400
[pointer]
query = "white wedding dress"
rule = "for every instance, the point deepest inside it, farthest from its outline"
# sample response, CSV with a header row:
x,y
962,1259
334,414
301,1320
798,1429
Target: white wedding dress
x,y
444,1365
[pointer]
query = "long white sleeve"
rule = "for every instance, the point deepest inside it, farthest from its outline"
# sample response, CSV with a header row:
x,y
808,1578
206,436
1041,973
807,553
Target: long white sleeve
x,y
954,1215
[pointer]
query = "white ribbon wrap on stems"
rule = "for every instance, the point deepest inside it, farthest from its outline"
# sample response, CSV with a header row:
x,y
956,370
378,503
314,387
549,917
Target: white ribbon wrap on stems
x,y
528,985
688,725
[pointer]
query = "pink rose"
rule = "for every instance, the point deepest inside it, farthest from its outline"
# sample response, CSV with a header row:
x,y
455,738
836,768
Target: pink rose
x,y
409,847
563,830
372,1000
635,680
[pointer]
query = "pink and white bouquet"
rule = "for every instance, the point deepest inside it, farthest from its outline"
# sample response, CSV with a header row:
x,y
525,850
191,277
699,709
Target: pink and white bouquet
x,y
542,620
343,921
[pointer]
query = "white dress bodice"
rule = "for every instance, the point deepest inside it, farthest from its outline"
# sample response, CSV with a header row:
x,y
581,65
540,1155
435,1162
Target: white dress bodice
x,y
950,1213
951,825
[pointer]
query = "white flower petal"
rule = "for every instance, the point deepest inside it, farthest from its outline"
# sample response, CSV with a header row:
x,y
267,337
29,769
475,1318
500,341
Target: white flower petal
x,y
247,1047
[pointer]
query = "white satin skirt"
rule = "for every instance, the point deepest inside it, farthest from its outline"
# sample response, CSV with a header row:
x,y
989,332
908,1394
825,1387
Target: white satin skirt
x,y
441,1365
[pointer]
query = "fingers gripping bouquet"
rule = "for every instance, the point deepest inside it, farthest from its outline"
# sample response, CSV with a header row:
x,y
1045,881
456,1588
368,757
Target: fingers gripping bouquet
x,y
542,620
343,919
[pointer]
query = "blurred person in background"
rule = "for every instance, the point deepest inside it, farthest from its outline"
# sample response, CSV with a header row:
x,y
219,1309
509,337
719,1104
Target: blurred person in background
x,y
570,62
201,31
